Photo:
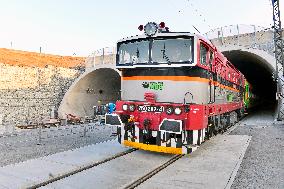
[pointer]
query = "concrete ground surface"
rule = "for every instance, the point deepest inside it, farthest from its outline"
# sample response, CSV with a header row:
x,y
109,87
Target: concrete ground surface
x,y
208,164
213,165
33,171
114,174
263,163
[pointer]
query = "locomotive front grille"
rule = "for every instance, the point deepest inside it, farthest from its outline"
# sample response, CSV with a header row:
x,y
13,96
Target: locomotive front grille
x,y
171,126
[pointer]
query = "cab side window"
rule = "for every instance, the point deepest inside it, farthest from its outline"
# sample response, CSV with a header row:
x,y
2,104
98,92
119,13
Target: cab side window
x,y
211,58
203,54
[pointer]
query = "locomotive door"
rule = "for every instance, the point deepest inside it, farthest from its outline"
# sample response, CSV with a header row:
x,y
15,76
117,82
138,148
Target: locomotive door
x,y
207,61
211,78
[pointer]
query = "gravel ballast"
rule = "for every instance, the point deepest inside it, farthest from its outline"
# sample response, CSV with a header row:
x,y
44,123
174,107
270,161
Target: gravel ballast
x,y
26,145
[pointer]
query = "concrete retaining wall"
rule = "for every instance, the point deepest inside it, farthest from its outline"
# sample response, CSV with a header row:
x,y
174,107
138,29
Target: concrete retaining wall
x,y
29,94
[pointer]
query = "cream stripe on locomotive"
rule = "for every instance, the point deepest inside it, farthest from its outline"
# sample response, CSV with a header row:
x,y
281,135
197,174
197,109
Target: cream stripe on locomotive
x,y
179,78
193,90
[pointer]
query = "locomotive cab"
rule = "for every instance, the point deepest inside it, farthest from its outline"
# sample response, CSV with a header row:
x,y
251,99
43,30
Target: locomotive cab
x,y
167,87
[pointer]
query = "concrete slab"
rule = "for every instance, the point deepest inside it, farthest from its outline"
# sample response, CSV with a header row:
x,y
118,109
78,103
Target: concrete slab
x,y
8,181
260,119
114,174
214,165
86,154
32,171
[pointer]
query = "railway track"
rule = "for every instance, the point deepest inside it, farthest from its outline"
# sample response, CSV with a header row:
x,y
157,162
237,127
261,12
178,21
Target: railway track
x,y
150,174
78,170
132,184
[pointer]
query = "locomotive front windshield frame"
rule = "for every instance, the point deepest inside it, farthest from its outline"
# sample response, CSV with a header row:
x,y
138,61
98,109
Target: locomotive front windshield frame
x,y
155,51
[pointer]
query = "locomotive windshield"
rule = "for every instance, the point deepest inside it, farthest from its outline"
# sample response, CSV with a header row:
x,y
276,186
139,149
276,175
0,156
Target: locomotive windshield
x,y
134,52
156,51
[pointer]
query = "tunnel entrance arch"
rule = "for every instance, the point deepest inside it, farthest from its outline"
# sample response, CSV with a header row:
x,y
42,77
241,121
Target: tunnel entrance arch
x,y
100,85
258,67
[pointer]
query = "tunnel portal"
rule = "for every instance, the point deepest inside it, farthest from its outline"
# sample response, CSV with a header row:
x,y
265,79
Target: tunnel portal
x,y
99,86
258,72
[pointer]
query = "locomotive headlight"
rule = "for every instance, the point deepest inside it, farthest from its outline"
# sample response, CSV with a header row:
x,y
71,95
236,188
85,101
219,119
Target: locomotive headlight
x,y
132,107
169,110
177,111
151,28
124,107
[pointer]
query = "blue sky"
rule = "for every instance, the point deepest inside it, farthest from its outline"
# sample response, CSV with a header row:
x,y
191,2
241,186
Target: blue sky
x,y
81,26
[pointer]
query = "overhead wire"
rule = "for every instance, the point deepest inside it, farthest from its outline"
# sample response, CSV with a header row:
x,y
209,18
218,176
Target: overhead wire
x,y
196,11
200,15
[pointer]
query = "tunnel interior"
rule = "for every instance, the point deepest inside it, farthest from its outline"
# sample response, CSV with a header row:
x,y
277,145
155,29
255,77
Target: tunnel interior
x,y
100,86
258,73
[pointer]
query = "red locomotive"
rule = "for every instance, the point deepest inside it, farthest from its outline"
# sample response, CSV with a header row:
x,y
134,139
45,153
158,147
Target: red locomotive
x,y
177,90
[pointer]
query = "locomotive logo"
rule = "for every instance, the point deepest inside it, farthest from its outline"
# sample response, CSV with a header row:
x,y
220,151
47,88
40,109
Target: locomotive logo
x,y
145,85
153,85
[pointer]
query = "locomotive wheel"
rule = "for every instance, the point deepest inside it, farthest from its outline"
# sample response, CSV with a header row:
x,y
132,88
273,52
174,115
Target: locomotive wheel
x,y
240,114
225,122
211,127
228,117
208,133
216,125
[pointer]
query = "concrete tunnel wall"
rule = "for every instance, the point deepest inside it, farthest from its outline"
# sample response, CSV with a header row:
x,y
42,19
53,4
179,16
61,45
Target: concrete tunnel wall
x,y
100,84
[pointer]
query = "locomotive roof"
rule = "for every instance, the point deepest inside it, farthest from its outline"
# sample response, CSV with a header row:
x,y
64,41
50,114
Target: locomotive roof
x,y
167,34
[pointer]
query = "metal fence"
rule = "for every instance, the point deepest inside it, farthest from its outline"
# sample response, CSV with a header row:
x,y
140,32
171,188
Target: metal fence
x,y
101,56
248,36
233,30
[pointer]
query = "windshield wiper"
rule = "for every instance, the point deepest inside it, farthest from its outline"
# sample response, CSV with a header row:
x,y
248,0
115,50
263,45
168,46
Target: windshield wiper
x,y
134,59
137,52
165,56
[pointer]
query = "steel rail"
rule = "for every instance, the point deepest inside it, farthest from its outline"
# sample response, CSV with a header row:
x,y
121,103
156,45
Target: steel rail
x,y
153,172
80,169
